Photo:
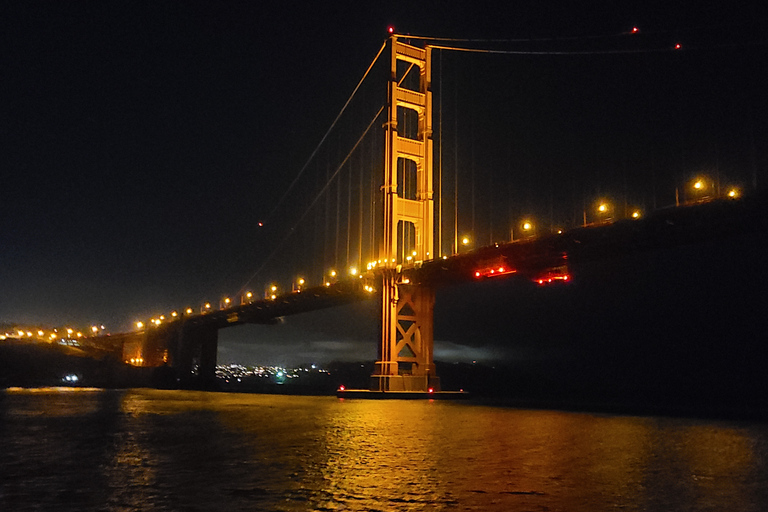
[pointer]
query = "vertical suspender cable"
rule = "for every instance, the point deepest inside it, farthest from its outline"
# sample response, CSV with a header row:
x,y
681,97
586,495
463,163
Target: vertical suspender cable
x,y
360,208
456,167
326,222
440,158
372,191
349,210
336,242
472,149
490,206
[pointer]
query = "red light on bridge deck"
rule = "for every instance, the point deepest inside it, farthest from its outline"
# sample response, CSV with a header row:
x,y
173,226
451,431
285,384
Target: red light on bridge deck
x,y
342,388
431,390
493,271
552,278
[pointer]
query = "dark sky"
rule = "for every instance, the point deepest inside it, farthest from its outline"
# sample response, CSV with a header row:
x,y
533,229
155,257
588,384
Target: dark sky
x,y
142,142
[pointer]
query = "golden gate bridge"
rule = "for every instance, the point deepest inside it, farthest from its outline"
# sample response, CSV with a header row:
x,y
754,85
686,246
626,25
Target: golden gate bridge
x,y
382,231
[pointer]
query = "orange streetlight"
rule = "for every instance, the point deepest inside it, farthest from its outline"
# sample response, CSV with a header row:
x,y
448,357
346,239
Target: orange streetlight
x,y
604,211
703,188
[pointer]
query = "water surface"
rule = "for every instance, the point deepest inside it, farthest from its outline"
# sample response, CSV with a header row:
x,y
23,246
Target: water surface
x,y
185,450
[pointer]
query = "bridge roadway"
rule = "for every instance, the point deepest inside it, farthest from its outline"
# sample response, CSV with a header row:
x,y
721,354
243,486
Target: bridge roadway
x,y
179,342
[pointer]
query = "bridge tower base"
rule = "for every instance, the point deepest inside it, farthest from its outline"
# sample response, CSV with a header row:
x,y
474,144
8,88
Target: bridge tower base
x,y
196,345
405,354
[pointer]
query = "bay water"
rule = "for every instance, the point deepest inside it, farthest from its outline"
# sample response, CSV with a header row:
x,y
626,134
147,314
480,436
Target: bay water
x,y
69,449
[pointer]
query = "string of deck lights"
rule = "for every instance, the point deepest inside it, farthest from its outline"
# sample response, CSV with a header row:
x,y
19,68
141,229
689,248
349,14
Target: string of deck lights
x,y
702,189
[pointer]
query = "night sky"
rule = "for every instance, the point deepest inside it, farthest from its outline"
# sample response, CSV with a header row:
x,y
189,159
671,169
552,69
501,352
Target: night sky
x,y
143,142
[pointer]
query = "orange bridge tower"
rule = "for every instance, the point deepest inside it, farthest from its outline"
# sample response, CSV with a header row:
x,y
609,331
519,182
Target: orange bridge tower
x,y
405,355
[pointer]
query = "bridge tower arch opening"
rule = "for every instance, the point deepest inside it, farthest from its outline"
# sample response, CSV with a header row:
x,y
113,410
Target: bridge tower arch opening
x,y
405,353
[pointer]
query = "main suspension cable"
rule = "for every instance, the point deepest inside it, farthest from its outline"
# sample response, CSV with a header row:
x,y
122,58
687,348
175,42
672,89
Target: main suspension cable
x,y
280,244
319,145
547,52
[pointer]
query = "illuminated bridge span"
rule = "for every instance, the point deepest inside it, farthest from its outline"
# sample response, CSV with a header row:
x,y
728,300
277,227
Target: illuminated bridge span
x,y
383,218
192,338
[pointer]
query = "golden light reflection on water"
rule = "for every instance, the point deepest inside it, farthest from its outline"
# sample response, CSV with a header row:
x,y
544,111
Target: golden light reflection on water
x,y
718,463
59,401
172,450
385,454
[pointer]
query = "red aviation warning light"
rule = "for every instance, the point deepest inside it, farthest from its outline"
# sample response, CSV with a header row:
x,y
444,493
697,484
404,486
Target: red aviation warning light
x,y
390,29
635,30
678,46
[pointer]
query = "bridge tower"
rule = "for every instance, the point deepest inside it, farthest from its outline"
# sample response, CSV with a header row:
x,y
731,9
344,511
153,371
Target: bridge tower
x,y
405,354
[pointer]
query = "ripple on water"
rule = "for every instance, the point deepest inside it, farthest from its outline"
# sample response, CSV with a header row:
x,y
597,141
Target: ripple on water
x,y
178,450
